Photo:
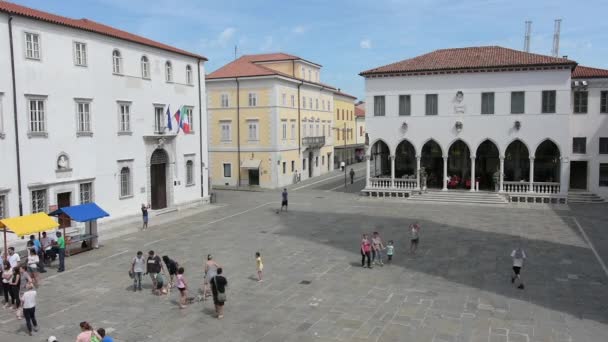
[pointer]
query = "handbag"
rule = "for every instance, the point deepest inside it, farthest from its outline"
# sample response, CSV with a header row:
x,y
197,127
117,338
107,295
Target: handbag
x,y
221,296
131,274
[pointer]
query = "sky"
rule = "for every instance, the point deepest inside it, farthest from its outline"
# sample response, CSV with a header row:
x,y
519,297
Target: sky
x,y
350,36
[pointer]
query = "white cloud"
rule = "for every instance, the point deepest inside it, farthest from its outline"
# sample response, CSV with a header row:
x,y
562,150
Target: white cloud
x,y
268,44
299,29
365,44
226,35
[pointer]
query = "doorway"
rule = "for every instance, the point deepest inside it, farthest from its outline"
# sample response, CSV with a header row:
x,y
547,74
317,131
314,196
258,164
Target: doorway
x,y
328,162
578,175
158,178
309,164
254,177
63,200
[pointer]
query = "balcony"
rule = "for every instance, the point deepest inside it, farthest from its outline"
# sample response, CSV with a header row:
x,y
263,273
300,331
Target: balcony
x,y
313,142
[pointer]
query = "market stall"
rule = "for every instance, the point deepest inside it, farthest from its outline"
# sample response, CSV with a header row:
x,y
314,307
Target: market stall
x,y
26,225
88,214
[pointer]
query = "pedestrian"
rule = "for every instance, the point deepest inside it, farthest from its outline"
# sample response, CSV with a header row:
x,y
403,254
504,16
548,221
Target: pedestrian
x,y
342,166
518,256
138,267
218,288
7,275
32,266
61,247
259,265
13,258
377,247
45,243
29,308
26,279
159,285
414,237
366,249
172,268
210,271
390,249
182,286
87,334
15,286
144,214
284,201
39,253
154,267
352,175
104,337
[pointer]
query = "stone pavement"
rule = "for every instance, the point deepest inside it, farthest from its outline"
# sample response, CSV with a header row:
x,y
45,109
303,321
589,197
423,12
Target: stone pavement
x,y
456,289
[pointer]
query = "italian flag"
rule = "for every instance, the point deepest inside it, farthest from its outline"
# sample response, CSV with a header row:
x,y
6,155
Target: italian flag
x,y
185,123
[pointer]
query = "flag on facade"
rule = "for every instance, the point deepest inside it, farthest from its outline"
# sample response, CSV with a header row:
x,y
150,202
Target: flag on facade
x,y
185,124
178,119
169,123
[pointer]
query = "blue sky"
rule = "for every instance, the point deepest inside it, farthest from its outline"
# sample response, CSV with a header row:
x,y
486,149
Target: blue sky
x,y
350,36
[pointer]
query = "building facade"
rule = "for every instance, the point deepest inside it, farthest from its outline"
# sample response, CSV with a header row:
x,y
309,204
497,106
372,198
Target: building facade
x,y
271,120
487,118
360,130
83,117
345,147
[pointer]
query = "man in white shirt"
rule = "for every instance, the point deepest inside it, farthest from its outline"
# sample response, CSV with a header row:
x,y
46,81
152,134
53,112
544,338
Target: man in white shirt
x,y
28,300
518,256
13,258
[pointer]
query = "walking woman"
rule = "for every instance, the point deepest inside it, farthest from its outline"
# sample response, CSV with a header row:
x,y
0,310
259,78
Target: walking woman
x,y
87,334
218,288
29,308
182,286
7,275
518,256
32,266
211,268
366,249
377,247
15,286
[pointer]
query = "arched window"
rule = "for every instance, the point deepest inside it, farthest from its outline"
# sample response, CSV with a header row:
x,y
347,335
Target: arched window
x,y
188,74
125,182
189,172
116,62
168,72
145,67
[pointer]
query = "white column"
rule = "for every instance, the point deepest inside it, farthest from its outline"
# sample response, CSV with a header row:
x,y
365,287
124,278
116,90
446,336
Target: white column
x,y
418,185
367,164
531,175
445,173
392,171
564,176
472,173
502,172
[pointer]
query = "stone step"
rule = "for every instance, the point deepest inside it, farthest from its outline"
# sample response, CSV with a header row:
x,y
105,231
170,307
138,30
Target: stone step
x,y
459,197
579,196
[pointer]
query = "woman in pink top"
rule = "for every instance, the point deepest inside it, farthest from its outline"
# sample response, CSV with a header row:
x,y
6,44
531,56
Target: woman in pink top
x,y
182,287
87,333
366,250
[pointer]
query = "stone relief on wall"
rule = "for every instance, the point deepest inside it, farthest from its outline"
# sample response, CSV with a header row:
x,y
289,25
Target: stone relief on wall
x,y
459,106
63,162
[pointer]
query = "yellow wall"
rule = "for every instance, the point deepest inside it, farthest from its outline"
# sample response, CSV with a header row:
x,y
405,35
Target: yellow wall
x,y
347,106
285,67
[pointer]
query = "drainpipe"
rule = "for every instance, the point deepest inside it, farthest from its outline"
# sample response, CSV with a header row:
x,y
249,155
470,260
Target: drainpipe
x,y
293,68
238,131
299,121
200,126
10,38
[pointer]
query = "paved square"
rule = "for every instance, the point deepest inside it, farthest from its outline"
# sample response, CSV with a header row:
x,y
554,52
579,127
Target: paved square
x,y
457,289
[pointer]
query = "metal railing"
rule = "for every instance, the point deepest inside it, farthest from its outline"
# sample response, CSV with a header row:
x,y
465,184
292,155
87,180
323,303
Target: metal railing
x,y
313,141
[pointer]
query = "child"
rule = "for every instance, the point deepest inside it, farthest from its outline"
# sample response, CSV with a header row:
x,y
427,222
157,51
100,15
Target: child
x,y
414,237
390,249
160,285
182,287
259,265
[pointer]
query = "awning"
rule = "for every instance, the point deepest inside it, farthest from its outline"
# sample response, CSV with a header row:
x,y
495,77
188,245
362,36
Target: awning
x,y
251,164
81,213
29,224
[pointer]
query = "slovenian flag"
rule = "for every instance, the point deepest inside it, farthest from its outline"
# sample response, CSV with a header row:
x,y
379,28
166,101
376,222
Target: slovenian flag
x,y
169,124
185,124
178,119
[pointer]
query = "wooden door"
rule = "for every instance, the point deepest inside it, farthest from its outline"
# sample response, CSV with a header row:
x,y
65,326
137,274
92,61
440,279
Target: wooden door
x,y
158,179
63,200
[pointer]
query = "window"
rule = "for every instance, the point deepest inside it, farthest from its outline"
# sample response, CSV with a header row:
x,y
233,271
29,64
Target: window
x,y
322,160
188,74
431,104
189,172
328,105
378,105
293,165
116,62
580,102
323,104
303,73
338,135
604,102
293,101
83,115
309,75
227,170
284,99
37,117
316,103
311,133
86,193
125,182
304,130
317,161
32,45
304,102
159,120
360,131
168,72
548,105
337,114
38,201
342,114
3,211
603,174
518,102
225,129
310,102
253,130
487,103
405,105
124,119
293,130
145,67
323,129
284,167
284,124
603,145
317,130
225,101
253,100
304,164
188,118
80,54
579,145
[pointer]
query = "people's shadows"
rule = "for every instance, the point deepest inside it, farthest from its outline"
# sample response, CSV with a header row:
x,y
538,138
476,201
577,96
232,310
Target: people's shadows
x,y
209,311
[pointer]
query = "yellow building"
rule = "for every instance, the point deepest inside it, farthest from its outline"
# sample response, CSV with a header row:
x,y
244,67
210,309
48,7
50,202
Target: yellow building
x,y
346,148
270,121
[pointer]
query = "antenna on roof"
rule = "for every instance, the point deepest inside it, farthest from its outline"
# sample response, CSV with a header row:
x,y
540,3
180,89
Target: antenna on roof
x,y
557,26
235,51
527,37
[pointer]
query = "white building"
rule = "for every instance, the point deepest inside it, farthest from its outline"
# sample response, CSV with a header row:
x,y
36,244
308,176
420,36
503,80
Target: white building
x,y
526,125
89,103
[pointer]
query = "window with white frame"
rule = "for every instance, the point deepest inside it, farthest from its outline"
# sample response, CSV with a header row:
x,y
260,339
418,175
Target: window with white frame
x,y
329,129
3,207
304,102
226,134
124,117
38,201
317,130
304,129
253,100
32,45
189,173
83,115
188,117
580,102
159,119
303,73
145,67
116,62
293,100
316,103
310,102
323,104
378,105
293,129
125,182
188,74
227,170
323,129
37,119
225,101
328,105
86,193
284,99
253,130
309,75
311,131
168,71
80,54
284,129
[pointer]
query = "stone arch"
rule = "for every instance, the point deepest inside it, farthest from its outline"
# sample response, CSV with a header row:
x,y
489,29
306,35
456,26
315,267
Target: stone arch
x,y
547,160
431,160
517,161
405,159
504,152
379,153
459,164
435,141
451,144
545,141
490,140
487,165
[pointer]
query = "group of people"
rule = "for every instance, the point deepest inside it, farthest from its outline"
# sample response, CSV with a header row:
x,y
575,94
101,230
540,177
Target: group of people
x,y
372,250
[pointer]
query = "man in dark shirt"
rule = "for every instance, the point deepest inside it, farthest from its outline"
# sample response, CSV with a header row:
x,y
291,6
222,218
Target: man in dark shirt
x,y
284,199
218,286
153,267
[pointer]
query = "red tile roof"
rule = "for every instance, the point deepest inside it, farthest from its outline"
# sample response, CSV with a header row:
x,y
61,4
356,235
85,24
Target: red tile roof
x,y
359,112
469,58
587,72
89,25
338,92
